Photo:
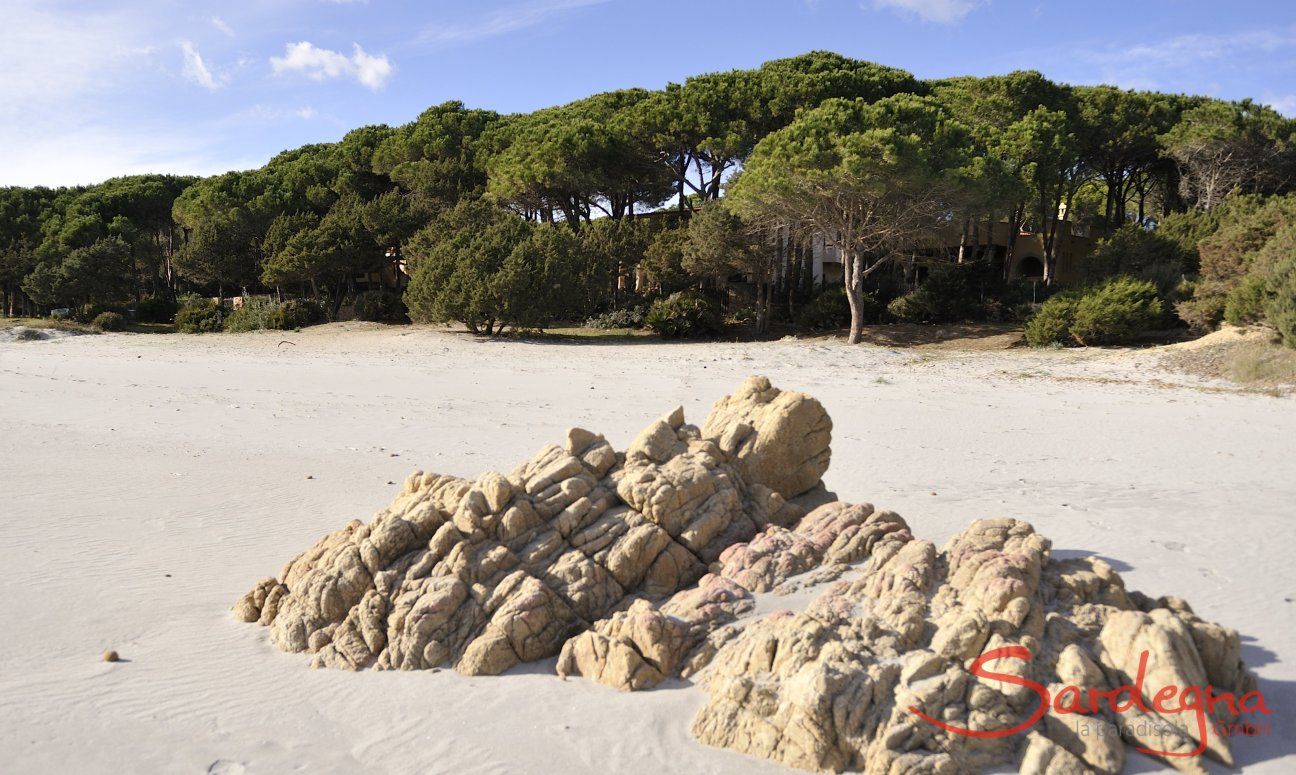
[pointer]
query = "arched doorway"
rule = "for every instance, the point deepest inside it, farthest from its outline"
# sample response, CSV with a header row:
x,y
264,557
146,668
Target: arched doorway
x,y
1030,267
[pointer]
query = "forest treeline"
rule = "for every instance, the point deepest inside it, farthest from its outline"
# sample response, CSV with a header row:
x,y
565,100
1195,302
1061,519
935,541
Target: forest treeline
x,y
518,220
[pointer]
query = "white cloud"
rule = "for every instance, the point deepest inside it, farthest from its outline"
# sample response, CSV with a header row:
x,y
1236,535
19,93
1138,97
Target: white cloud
x,y
220,24
1187,49
1197,63
504,21
320,64
196,70
1285,105
940,11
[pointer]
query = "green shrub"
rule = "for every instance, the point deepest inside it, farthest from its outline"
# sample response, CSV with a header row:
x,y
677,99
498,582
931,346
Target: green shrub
x,y
201,317
156,309
109,321
742,316
380,307
628,317
1280,305
262,313
1245,303
1137,252
830,310
1018,313
1203,311
953,293
295,313
686,314
252,315
1252,234
490,269
909,308
1251,221
1117,311
87,313
663,260
1051,325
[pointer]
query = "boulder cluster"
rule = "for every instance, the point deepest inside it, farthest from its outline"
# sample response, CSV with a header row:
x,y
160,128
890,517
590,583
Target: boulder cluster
x,y
637,567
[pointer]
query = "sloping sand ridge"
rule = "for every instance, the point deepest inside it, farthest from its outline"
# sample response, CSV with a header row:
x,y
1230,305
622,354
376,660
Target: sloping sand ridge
x,y
640,565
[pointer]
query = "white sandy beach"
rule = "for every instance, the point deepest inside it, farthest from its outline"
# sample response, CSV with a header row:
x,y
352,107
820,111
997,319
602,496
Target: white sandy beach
x,y
147,481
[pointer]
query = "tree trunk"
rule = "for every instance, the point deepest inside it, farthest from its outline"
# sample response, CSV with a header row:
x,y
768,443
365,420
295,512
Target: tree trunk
x,y
682,173
807,269
1014,226
793,276
337,301
170,253
1051,235
852,271
1108,206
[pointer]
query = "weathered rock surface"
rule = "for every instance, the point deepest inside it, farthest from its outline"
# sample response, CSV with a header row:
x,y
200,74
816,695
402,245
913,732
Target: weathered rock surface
x,y
779,438
833,533
505,569
834,687
639,647
638,567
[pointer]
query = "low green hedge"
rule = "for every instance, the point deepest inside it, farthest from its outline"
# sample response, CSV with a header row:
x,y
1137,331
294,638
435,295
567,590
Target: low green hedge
x,y
380,307
1115,312
109,321
684,315
201,317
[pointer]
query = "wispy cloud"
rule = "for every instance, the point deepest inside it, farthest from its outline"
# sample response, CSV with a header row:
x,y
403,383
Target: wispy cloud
x,y
320,64
1194,48
940,11
1190,62
503,21
48,59
220,24
268,114
196,70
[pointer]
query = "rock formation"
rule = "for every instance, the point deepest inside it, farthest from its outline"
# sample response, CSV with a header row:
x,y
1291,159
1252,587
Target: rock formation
x,y
834,687
488,573
638,567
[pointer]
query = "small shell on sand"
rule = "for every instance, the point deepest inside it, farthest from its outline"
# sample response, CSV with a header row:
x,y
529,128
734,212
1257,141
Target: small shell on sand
x,y
111,656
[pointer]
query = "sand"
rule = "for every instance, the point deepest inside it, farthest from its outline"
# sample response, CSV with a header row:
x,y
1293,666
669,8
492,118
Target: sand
x,y
146,481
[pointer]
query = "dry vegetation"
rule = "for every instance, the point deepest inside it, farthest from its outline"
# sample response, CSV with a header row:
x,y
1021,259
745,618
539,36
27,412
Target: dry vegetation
x,y
1253,357
47,323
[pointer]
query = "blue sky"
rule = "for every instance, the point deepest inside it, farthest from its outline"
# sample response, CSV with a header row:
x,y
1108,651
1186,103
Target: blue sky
x,y
90,90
